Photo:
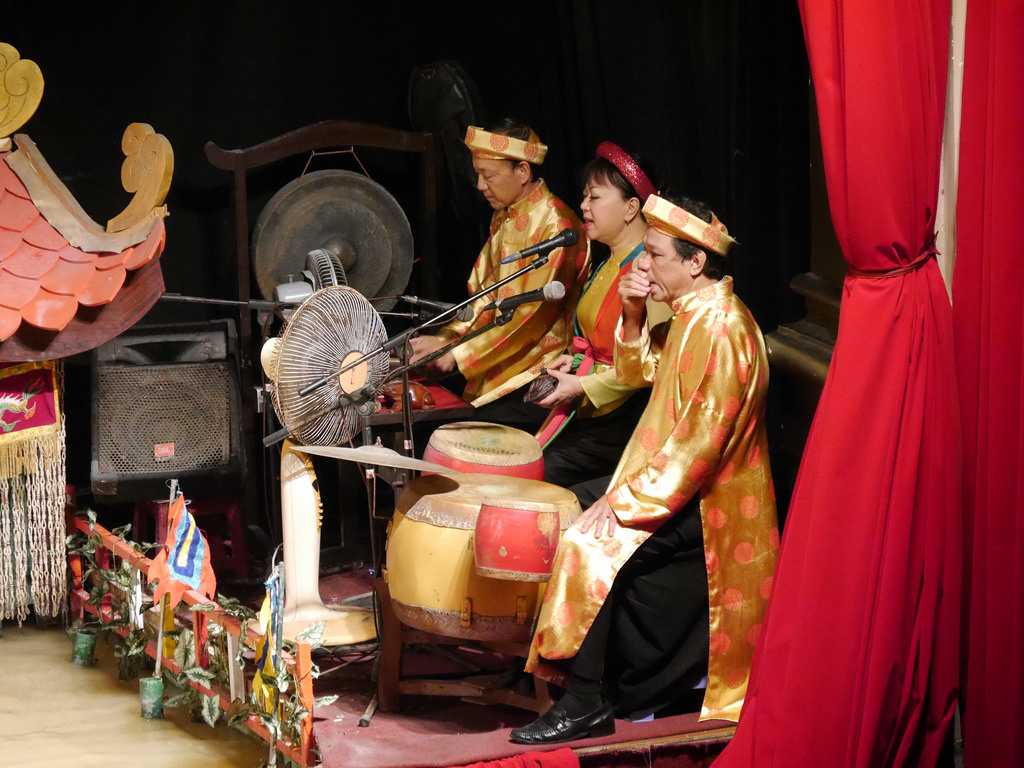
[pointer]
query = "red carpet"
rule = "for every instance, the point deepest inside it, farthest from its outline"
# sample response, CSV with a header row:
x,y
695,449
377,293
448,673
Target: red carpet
x,y
438,732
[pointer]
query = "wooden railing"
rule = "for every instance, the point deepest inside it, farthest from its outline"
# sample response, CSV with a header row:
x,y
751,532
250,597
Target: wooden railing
x,y
299,665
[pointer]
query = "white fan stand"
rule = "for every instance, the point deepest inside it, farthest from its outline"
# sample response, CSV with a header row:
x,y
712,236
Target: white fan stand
x,y
300,525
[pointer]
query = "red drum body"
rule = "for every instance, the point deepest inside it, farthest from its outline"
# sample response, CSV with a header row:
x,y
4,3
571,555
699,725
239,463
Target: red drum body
x,y
516,539
481,447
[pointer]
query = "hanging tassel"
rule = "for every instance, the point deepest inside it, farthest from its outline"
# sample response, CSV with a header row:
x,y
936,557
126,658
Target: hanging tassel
x,y
32,480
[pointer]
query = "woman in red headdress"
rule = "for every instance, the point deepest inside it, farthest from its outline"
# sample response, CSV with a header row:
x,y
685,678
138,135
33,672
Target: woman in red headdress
x,y
593,414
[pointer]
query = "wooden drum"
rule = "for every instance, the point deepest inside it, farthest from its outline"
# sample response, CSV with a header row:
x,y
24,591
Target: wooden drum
x,y
478,446
432,572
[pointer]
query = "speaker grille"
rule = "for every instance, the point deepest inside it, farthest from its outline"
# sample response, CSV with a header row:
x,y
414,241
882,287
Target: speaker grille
x,y
163,419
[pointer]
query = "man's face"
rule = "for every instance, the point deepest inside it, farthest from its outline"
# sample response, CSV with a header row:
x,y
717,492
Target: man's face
x,y
501,182
670,276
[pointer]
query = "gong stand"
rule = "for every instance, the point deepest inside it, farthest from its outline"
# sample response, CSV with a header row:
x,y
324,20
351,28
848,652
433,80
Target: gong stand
x,y
239,162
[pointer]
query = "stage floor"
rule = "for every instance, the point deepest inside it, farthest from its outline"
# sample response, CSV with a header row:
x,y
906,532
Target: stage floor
x,y
53,713
443,731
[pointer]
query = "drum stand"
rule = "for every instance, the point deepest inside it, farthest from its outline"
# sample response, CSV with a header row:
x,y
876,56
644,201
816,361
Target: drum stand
x,y
478,688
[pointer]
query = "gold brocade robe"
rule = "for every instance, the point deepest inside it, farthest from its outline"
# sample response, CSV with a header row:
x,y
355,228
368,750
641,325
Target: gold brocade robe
x,y
702,433
504,358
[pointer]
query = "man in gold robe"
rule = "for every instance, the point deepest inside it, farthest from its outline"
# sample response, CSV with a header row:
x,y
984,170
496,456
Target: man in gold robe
x,y
665,579
500,362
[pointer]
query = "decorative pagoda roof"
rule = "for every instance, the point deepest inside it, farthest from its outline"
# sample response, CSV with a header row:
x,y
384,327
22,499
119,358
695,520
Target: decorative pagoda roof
x,y
54,259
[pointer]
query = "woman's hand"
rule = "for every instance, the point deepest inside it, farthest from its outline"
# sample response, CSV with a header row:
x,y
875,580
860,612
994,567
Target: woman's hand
x,y
601,517
568,390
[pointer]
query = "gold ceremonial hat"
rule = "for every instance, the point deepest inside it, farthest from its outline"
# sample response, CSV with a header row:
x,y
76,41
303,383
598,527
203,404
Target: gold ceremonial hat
x,y
496,146
674,221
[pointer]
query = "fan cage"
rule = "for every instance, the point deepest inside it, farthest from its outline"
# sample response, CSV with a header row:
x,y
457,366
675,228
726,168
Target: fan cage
x,y
325,330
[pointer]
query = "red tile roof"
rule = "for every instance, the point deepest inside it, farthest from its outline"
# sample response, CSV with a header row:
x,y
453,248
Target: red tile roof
x,y
43,279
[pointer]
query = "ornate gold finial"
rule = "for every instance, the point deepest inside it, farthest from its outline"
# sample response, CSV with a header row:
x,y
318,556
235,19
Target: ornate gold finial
x,y
146,173
21,89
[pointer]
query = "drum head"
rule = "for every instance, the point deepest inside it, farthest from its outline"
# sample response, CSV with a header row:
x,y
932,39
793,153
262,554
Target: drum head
x,y
481,442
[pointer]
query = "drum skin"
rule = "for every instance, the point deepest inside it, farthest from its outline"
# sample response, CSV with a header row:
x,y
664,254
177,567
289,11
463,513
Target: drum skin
x,y
478,446
431,569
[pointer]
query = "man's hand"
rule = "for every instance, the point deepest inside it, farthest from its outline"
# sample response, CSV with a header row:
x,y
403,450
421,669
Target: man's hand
x,y
634,288
599,516
568,389
425,345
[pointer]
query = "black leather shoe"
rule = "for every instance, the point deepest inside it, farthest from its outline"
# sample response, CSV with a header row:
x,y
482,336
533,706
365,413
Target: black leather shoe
x,y
555,726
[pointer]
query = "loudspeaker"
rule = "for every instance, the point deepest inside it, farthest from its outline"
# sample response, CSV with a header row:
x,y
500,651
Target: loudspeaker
x,y
166,405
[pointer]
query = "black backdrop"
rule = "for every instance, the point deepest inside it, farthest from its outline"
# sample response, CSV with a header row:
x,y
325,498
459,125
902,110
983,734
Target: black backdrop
x,y
715,90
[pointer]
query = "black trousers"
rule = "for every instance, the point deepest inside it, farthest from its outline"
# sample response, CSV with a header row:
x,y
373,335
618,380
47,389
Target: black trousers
x,y
590,448
649,642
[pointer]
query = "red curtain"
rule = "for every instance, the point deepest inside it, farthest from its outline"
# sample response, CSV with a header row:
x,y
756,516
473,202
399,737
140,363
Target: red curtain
x,y
859,656
989,323
560,758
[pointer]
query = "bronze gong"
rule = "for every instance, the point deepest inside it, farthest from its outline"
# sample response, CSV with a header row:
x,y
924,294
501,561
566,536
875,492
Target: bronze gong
x,y
348,215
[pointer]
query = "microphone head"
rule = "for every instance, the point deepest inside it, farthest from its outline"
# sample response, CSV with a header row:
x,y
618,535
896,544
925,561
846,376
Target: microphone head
x,y
569,237
554,291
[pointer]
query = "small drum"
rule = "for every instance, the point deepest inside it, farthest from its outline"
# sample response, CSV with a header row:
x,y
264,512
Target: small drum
x,y
433,574
478,446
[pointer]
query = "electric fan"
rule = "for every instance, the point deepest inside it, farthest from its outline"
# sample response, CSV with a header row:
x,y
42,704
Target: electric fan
x,y
334,327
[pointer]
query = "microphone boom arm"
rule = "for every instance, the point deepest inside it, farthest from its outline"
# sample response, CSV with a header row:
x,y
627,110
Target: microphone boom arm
x,y
501,317
400,339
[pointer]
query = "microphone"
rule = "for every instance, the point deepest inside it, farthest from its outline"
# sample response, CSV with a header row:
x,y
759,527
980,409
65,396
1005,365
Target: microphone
x,y
464,315
553,291
563,238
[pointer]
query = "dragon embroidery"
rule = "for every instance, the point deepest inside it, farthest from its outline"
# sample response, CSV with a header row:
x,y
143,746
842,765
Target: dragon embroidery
x,y
18,404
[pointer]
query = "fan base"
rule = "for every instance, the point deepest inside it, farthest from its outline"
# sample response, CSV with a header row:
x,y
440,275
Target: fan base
x,y
342,626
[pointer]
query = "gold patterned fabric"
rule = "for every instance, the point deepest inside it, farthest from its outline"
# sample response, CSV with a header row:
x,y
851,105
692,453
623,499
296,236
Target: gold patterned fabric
x,y
702,433
498,146
669,218
504,358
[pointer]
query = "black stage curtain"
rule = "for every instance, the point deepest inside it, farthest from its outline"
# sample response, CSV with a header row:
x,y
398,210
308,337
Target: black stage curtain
x,y
715,90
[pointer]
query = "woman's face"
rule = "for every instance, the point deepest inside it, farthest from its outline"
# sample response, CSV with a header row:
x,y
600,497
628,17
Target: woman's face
x,y
605,211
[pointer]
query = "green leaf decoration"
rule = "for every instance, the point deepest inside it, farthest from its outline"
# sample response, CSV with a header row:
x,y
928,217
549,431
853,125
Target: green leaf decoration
x,y
199,675
211,710
313,635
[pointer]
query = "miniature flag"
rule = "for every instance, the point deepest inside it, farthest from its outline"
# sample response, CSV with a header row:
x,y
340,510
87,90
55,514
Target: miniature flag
x,y
264,682
184,561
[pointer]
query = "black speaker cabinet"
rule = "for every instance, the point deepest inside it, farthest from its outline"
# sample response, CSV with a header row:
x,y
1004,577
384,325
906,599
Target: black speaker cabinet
x,y
166,405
